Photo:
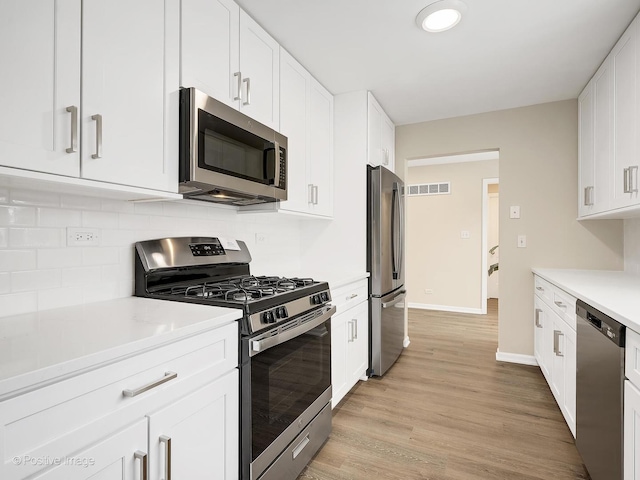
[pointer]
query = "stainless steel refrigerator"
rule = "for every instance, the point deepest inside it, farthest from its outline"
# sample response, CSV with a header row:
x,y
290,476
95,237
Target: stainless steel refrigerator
x,y
385,263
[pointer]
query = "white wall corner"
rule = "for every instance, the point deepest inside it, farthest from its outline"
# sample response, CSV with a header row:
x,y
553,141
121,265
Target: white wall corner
x,y
406,342
516,358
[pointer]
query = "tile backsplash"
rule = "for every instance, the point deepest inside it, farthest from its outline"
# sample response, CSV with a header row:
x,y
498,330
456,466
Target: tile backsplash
x,y
39,271
632,245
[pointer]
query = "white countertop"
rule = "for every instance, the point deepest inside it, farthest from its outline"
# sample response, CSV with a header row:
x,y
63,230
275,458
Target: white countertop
x,y
614,293
40,346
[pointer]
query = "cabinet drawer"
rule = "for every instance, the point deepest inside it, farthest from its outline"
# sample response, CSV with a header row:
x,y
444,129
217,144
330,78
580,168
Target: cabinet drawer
x,y
563,304
58,419
349,295
632,357
543,289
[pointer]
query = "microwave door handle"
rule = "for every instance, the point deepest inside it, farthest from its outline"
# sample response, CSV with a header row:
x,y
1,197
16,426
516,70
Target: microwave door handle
x,y
276,159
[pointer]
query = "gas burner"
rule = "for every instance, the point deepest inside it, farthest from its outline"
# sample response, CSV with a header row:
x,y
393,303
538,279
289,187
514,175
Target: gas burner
x,y
242,294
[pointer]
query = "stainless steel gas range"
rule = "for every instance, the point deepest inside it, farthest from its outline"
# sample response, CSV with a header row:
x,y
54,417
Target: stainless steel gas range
x,y
285,345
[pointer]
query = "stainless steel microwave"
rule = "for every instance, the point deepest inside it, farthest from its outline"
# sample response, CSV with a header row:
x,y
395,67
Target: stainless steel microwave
x,y
227,157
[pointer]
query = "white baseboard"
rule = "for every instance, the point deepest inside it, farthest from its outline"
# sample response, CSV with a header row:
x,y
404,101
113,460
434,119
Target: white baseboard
x,y
445,308
516,358
406,342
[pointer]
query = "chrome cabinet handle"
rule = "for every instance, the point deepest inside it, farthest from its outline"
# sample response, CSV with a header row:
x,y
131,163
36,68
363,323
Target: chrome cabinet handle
x,y
633,179
355,327
588,196
167,376
98,119
540,289
352,296
310,188
556,343
559,304
167,456
238,75
144,472
248,82
351,334
74,129
538,312
315,194
627,188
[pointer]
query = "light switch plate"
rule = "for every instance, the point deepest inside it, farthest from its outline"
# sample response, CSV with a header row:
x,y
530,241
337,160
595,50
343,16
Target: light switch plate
x,y
522,241
514,212
465,234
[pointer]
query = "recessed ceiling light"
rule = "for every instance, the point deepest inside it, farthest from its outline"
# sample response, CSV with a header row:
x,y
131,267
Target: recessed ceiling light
x,y
441,15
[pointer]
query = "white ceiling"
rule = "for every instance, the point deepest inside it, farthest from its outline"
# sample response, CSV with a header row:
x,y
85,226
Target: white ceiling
x,y
504,53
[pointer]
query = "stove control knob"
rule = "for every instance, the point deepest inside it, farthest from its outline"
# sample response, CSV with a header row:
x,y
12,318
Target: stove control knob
x,y
268,317
324,296
281,312
315,299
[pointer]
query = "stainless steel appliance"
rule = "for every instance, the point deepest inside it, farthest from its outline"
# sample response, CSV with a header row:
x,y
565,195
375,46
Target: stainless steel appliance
x,y
227,157
285,345
599,392
385,262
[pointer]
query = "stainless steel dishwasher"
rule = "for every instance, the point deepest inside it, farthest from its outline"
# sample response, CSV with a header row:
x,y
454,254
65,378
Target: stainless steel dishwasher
x,y
599,392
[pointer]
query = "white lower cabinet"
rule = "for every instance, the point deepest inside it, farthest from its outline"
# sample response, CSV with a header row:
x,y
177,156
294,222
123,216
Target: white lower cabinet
x,y
349,339
174,407
555,346
631,432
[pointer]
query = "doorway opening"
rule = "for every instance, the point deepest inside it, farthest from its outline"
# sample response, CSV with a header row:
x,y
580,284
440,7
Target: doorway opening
x,y
490,243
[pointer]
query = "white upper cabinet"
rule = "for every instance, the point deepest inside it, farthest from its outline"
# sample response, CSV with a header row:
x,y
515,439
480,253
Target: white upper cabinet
x,y
210,48
306,119
125,85
125,111
228,56
609,140
40,58
380,134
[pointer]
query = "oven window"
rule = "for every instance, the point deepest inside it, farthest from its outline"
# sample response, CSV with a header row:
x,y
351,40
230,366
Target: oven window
x,y
285,380
229,149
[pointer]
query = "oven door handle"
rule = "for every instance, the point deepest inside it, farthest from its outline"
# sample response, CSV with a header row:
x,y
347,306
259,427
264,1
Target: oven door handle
x,y
258,346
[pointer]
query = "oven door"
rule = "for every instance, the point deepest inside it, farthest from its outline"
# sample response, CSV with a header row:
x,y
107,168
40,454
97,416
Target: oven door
x,y
286,382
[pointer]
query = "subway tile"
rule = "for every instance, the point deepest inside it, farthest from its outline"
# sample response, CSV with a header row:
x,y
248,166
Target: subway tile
x,y
18,303
32,197
174,209
105,291
117,238
58,217
4,237
13,215
133,222
118,206
116,273
148,208
36,237
17,260
80,202
34,280
100,256
80,276
5,282
59,297
99,219
59,258
4,195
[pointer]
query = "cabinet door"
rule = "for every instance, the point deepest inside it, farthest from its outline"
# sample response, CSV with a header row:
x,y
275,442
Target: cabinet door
x,y
586,186
294,89
320,151
631,432
602,138
557,362
127,74
568,350
210,55
374,132
197,437
40,58
388,142
623,64
540,346
112,458
339,336
259,64
357,342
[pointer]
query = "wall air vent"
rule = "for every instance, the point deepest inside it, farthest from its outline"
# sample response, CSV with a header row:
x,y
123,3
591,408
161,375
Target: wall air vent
x,y
442,188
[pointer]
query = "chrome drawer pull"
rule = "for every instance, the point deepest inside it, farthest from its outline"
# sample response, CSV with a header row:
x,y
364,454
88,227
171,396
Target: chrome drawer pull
x,y
132,393
538,312
556,343
98,120
560,304
352,296
540,289
167,456
300,447
73,110
144,472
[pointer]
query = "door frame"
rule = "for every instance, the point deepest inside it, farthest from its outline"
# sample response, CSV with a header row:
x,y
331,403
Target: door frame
x,y
485,228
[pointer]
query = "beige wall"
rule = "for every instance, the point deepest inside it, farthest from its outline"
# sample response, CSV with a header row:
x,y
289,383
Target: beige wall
x,y
538,172
438,258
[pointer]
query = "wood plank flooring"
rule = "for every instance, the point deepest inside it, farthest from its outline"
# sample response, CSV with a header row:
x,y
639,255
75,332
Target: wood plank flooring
x,y
448,411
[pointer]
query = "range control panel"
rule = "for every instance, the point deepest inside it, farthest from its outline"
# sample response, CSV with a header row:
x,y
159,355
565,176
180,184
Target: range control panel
x,y
206,249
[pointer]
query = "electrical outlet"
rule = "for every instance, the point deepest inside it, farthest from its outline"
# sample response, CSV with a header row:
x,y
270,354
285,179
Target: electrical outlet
x,y
428,290
465,234
261,238
82,237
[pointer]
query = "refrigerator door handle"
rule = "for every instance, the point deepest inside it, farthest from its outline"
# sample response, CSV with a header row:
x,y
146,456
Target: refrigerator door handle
x,y
395,211
396,299
401,234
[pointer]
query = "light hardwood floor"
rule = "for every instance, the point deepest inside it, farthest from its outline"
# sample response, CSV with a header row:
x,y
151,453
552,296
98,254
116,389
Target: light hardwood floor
x,y
448,411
